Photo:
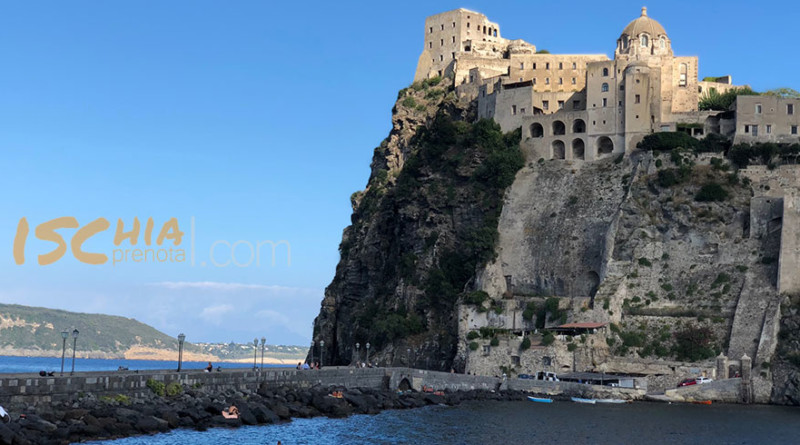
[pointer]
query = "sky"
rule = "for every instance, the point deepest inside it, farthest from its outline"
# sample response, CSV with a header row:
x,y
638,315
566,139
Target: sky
x,y
250,123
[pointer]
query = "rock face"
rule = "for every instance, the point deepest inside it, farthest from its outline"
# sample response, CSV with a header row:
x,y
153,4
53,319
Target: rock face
x,y
679,254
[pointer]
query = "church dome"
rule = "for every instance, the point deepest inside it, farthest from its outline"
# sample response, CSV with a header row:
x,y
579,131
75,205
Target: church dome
x,y
644,25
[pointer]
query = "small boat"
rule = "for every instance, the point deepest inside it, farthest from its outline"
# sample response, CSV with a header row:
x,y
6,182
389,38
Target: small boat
x,y
611,401
540,399
580,400
702,402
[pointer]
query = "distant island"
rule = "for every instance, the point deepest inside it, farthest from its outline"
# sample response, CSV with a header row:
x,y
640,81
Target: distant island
x,y
36,332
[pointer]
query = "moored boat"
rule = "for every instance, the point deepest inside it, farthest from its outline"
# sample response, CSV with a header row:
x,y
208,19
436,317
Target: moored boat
x,y
580,400
611,401
540,399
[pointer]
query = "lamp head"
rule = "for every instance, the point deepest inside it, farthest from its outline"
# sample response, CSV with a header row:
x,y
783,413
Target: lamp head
x,y
263,341
181,337
75,333
64,334
255,341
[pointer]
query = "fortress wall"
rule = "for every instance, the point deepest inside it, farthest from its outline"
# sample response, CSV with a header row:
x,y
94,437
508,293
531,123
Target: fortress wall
x,y
789,259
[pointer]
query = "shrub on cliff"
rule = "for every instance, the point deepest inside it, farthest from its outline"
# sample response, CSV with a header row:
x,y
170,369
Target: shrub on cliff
x,y
526,344
473,346
495,341
529,312
667,140
693,343
174,389
548,338
711,192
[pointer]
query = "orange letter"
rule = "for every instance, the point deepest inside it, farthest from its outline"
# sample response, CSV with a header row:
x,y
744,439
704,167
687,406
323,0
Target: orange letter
x,y
85,233
47,232
19,241
148,231
133,235
175,236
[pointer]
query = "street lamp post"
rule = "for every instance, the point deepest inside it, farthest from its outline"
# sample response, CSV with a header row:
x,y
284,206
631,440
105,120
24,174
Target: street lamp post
x,y
255,354
74,344
321,352
64,335
366,359
263,346
181,339
358,354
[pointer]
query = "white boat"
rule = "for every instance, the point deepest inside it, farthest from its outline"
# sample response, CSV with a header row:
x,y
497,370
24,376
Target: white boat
x,y
580,400
540,399
611,401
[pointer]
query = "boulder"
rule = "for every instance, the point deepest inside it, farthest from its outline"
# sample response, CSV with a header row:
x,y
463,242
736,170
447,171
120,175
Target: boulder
x,y
151,424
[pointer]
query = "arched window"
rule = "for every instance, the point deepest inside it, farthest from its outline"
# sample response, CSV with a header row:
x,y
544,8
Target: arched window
x,y
559,150
624,42
683,73
605,72
578,126
578,149
663,43
604,88
559,128
537,130
604,146
645,40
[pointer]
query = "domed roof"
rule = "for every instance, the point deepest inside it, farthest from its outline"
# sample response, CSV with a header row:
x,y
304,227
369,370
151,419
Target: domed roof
x,y
644,24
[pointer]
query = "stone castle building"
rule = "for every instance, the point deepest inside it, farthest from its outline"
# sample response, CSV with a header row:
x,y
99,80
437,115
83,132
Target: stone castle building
x,y
587,106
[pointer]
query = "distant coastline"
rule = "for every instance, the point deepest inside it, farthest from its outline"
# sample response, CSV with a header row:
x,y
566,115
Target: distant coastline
x,y
143,354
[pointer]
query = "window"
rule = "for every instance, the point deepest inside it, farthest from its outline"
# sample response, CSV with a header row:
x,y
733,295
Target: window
x,y
534,81
441,42
637,99
789,108
454,24
561,105
454,39
684,69
522,65
561,65
534,66
513,109
547,81
441,58
624,42
769,129
495,33
758,108
467,25
576,105
605,102
663,43
521,111
747,129
574,81
442,26
794,129
604,88
620,104
431,31
574,65
605,72
645,40
430,44
560,81
545,104
622,87
547,66
453,55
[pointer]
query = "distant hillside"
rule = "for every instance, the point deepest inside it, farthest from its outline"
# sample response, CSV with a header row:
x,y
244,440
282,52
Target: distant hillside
x,y
35,331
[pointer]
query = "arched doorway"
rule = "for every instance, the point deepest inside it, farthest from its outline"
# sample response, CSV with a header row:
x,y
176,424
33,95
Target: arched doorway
x,y
537,131
578,149
559,151
579,126
559,128
605,146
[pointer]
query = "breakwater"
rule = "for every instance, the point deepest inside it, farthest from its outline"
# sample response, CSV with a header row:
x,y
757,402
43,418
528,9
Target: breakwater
x,y
109,405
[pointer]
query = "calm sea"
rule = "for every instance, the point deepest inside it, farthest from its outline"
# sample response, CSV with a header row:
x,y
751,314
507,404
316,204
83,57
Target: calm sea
x,y
36,364
517,423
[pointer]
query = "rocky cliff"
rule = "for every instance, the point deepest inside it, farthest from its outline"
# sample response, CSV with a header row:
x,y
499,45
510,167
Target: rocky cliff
x,y
462,255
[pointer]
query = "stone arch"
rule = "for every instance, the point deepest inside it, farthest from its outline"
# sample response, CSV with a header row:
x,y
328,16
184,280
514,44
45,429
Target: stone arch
x,y
578,149
404,385
579,126
559,150
605,146
537,130
559,128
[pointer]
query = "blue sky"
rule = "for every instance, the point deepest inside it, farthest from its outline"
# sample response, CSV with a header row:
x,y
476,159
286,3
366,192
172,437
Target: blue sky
x,y
258,120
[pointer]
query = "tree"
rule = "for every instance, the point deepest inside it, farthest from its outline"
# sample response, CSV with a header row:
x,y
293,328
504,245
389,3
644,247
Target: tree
x,y
714,100
783,93
694,343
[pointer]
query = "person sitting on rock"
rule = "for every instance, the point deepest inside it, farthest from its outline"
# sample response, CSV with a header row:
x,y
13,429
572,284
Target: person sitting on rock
x,y
231,413
299,365
305,365
210,367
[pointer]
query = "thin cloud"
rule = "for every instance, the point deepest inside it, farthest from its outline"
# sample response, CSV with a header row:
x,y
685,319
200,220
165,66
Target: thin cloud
x,y
226,287
214,314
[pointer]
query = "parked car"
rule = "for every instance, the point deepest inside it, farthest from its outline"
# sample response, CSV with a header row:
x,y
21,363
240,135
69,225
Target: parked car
x,y
701,380
525,376
687,382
